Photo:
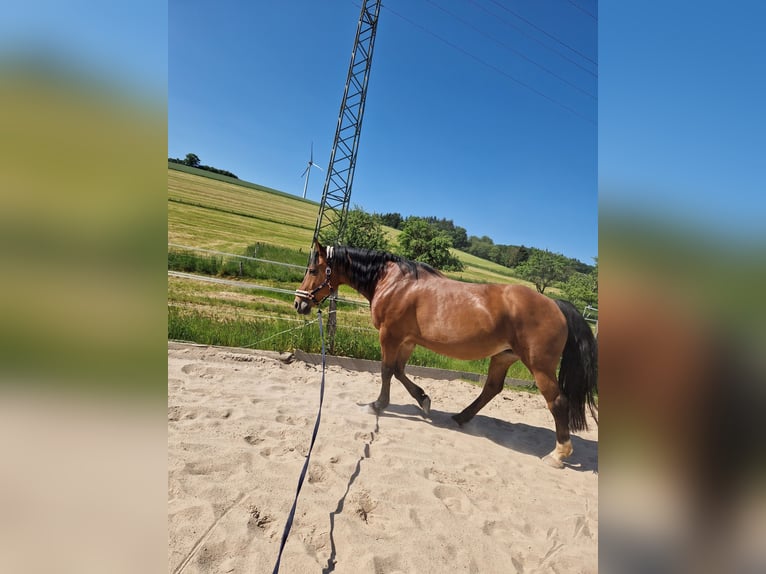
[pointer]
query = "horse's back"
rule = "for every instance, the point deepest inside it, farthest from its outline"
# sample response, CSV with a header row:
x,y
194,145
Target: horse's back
x,y
515,301
466,320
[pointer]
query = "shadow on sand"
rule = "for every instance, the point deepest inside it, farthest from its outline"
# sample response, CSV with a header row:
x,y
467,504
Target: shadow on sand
x,y
520,437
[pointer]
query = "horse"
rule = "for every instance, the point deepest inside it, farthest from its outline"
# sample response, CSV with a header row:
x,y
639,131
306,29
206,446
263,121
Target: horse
x,y
412,303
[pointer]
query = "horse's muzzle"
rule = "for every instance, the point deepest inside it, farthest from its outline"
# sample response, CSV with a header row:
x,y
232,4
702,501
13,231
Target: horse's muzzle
x,y
302,306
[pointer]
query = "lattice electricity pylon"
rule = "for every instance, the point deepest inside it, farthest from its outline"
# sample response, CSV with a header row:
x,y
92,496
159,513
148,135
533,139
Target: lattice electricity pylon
x,y
336,193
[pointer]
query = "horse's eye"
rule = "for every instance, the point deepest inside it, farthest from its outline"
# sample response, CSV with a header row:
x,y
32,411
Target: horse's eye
x,y
313,271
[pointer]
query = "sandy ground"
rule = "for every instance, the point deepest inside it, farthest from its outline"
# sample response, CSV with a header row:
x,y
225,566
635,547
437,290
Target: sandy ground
x,y
390,494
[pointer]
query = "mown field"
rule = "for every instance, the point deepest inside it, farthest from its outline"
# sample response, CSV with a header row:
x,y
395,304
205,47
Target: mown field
x,y
219,214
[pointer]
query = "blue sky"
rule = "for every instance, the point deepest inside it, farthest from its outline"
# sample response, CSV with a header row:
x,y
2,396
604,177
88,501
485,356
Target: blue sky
x,y
681,120
474,113
94,38
682,114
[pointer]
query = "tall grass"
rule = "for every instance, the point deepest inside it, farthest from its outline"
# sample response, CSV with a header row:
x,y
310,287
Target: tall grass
x,y
274,335
277,253
284,335
223,266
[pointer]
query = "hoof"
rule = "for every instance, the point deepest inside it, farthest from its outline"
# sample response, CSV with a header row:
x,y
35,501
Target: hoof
x,y
458,420
374,409
554,462
426,406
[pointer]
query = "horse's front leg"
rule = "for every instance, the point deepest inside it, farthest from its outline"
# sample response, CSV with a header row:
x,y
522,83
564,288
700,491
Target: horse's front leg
x,y
417,393
389,349
394,355
387,371
402,356
389,346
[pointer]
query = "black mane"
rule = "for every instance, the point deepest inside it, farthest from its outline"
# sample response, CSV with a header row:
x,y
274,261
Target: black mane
x,y
365,267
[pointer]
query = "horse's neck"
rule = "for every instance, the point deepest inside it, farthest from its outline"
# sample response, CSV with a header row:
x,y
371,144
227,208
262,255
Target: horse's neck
x,y
359,288
358,284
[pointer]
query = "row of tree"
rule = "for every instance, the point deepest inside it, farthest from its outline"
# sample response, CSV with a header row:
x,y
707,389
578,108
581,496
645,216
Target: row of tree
x,y
418,241
507,255
429,239
192,160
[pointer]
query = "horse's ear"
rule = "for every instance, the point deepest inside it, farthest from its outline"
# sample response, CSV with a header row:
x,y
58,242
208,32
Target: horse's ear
x,y
321,250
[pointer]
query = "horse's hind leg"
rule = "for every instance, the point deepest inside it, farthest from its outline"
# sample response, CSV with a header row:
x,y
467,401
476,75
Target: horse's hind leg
x,y
558,404
498,367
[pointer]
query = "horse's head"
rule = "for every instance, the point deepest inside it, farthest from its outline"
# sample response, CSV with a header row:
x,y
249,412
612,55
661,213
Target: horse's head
x,y
316,285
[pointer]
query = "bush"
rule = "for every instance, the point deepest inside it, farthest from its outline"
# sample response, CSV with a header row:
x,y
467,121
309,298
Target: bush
x,y
422,242
363,230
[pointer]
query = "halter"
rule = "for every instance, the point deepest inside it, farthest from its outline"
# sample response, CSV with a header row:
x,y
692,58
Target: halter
x,y
311,295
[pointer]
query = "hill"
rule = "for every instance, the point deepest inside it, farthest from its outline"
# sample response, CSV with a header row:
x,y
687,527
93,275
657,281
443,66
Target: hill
x,y
217,212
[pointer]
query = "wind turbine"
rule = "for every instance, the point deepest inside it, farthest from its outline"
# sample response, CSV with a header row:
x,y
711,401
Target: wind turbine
x,y
307,171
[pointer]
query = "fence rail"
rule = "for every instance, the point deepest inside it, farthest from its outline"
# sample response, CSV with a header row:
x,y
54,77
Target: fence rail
x,y
247,285
590,314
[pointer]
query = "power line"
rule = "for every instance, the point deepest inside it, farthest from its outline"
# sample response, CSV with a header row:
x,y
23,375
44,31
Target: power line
x,y
536,27
534,38
512,49
583,9
491,66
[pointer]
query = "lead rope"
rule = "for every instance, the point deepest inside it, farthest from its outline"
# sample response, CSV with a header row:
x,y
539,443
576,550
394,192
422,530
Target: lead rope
x,y
290,517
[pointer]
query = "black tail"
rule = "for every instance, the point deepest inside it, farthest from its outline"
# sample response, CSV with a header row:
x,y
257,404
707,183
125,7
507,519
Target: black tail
x,y
578,375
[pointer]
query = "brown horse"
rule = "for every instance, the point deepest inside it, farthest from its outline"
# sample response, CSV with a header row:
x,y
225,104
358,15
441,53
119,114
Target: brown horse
x,y
413,304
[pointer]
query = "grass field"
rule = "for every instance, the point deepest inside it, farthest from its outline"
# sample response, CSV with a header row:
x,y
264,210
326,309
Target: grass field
x,y
214,212
206,212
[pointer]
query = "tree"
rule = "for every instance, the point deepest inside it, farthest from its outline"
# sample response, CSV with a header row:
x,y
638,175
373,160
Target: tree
x,y
422,242
364,230
522,255
506,254
542,268
480,246
459,237
394,220
191,160
457,234
581,289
